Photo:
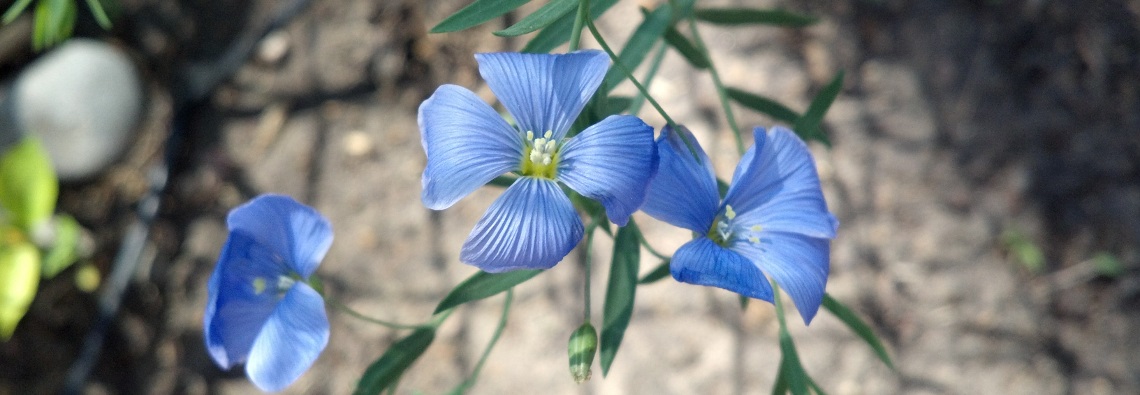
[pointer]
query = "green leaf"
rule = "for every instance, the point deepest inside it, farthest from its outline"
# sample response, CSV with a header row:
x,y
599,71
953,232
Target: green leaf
x,y
858,326
483,285
15,10
658,273
620,292
763,105
28,186
390,366
1107,265
545,16
690,52
476,13
808,126
614,105
19,279
1024,250
781,385
558,33
750,16
96,7
63,251
790,366
639,44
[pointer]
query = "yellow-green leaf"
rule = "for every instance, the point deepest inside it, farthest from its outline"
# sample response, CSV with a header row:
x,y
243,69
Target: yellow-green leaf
x,y
19,279
28,185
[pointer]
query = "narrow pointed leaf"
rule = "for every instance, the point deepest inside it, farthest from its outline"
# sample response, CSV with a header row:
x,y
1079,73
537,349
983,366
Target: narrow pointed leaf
x,y
763,105
690,52
64,251
476,13
15,10
781,385
639,44
814,387
96,7
558,33
389,367
808,126
545,16
790,366
749,16
658,273
483,285
620,292
857,325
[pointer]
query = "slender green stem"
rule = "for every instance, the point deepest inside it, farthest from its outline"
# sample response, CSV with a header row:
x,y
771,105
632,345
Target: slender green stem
x,y
720,91
779,307
463,387
394,325
588,263
579,20
654,65
628,74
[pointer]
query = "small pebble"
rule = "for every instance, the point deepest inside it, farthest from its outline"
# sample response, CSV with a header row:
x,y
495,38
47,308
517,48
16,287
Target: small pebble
x,y
273,48
358,144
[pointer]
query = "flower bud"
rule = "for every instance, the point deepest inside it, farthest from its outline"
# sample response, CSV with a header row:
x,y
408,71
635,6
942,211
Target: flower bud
x,y
583,345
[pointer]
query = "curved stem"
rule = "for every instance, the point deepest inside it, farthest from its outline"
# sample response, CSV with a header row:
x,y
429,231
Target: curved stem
x,y
645,243
579,20
654,65
394,325
720,91
628,74
466,384
588,263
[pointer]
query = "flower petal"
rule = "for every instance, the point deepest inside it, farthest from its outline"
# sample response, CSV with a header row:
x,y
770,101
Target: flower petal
x,y
237,305
702,262
531,226
798,263
776,186
544,92
467,144
684,191
290,341
296,234
611,161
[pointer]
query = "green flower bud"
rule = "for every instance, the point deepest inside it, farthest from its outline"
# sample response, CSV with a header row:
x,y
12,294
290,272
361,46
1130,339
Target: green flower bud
x,y
19,279
583,345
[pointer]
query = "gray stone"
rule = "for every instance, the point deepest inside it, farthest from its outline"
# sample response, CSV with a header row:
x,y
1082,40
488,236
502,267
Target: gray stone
x,y
82,100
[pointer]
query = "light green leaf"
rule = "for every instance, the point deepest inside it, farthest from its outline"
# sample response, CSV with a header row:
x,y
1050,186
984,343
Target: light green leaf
x,y
96,7
28,186
620,292
476,13
749,16
19,279
690,52
390,366
639,44
808,126
544,17
483,285
857,325
763,105
15,10
558,33
1107,265
64,249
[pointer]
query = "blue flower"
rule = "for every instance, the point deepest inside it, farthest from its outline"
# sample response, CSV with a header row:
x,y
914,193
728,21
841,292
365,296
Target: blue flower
x,y
773,220
532,225
261,310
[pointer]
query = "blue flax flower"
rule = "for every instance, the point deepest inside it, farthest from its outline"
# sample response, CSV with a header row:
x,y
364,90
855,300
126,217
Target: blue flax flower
x,y
261,310
773,220
532,225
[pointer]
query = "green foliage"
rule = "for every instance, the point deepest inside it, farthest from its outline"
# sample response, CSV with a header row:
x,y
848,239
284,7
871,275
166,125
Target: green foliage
x,y
482,285
763,105
55,19
386,371
19,279
582,347
808,126
1024,251
28,186
686,48
658,273
858,326
749,16
558,33
476,13
64,251
639,44
620,292
544,17
1107,265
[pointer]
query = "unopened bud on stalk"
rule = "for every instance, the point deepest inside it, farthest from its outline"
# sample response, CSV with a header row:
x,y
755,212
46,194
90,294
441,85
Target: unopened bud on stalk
x,y
583,345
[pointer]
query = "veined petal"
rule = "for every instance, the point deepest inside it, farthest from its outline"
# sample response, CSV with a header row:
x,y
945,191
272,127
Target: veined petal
x,y
297,235
612,162
776,186
532,225
702,262
467,144
798,263
240,298
683,192
290,341
544,92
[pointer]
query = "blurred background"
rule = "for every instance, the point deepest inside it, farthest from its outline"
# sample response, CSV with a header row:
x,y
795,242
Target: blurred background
x,y
985,169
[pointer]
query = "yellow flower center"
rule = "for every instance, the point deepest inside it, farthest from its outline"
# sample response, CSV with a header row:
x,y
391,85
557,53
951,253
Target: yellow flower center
x,y
540,158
